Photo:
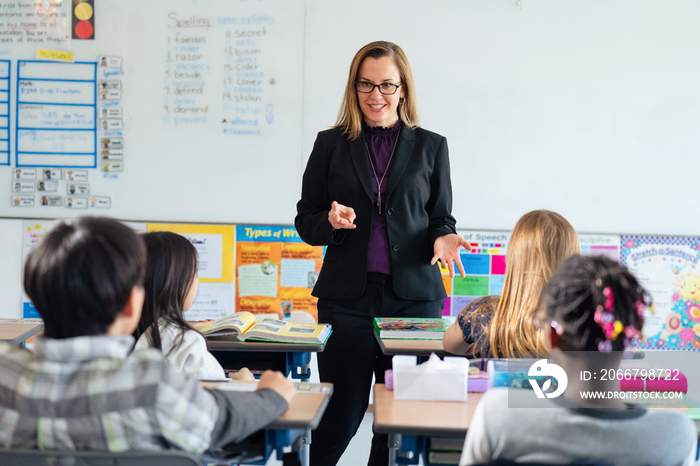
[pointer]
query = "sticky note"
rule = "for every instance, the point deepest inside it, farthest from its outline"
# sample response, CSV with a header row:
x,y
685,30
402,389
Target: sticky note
x,y
56,55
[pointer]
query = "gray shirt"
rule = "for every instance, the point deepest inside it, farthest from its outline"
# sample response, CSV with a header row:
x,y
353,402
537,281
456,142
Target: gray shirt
x,y
565,432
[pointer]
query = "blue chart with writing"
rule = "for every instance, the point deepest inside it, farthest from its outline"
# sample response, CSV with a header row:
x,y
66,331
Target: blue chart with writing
x,y
4,112
56,114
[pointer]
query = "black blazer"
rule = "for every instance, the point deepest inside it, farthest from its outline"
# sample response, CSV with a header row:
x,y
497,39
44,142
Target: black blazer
x,y
418,206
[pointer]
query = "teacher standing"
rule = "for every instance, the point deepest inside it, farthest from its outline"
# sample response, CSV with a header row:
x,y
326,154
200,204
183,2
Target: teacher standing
x,y
377,192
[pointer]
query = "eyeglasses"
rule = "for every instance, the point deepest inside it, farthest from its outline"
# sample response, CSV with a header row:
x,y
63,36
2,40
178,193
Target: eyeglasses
x,y
367,87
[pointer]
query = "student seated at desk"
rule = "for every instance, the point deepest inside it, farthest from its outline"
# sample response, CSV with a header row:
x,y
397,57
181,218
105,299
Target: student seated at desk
x,y
594,308
496,327
81,390
171,284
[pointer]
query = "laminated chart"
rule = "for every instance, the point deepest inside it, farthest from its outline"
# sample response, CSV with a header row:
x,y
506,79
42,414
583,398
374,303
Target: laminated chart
x,y
484,265
215,246
4,112
56,114
600,245
667,267
275,272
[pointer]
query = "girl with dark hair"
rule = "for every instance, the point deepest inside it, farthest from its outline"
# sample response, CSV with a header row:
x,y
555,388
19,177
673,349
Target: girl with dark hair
x,y
593,310
171,285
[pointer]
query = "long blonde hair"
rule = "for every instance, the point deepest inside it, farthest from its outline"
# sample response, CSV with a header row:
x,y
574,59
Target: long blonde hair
x,y
350,114
540,241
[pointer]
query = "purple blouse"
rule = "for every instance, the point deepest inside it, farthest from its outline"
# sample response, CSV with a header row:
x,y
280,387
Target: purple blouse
x,y
381,143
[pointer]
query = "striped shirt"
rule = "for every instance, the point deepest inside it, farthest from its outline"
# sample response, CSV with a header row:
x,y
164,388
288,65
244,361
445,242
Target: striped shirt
x,y
89,393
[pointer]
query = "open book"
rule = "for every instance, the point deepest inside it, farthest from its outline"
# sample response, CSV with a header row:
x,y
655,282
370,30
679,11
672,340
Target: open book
x,y
242,325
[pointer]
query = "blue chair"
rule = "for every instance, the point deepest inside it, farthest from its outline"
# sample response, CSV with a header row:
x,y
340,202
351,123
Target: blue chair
x,y
15,457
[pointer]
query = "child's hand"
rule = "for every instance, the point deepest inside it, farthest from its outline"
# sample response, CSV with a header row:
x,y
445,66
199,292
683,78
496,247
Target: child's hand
x,y
243,375
276,381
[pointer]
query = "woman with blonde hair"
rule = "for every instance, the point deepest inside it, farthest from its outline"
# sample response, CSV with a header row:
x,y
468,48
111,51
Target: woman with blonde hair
x,y
377,192
498,327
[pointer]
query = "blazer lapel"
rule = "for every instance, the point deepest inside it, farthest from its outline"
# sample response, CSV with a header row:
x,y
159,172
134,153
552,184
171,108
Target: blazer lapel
x,y
404,150
359,155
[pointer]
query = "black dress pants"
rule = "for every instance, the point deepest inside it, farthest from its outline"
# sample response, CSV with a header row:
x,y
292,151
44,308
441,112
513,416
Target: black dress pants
x,y
349,360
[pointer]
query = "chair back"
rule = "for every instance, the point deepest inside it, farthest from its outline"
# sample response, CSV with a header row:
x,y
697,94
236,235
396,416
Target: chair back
x,y
15,457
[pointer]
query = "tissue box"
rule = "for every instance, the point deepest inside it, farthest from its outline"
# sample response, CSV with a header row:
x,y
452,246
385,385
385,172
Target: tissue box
x,y
434,380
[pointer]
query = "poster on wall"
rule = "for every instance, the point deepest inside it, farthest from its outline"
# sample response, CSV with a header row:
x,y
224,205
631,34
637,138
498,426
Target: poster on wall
x,y
214,245
485,268
600,245
667,267
32,232
275,272
485,265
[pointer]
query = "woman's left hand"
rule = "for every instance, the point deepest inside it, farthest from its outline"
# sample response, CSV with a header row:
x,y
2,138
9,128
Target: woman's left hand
x,y
446,250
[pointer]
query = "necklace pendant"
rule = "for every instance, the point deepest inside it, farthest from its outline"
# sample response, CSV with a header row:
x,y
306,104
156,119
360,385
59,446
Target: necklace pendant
x,y
379,206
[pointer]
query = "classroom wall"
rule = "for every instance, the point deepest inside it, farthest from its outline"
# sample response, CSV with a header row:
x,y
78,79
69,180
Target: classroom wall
x,y
11,268
590,109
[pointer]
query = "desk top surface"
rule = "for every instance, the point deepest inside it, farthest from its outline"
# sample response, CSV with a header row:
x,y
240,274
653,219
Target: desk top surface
x,y
18,332
393,347
447,418
230,344
305,410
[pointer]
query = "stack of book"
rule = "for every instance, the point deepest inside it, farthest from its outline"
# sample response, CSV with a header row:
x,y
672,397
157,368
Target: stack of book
x,y
444,450
411,328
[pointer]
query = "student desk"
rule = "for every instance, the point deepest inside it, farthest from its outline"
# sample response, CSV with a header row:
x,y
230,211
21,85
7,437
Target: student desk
x,y
409,423
285,357
18,333
294,427
392,347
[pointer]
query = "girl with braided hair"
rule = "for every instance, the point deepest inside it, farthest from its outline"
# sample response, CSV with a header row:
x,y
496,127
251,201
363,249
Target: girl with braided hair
x,y
593,308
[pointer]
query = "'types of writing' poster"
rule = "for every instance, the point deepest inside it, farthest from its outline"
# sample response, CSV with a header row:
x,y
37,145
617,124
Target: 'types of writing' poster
x,y
485,268
667,267
275,272
215,246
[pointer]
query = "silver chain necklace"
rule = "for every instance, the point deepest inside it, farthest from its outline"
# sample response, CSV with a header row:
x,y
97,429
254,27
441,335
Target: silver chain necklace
x,y
371,164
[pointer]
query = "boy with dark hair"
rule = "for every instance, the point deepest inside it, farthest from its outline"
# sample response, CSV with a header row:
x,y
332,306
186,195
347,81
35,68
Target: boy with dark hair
x,y
81,389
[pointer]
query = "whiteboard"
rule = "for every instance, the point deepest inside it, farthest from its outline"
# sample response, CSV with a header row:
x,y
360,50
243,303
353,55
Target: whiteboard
x,y
211,107
589,109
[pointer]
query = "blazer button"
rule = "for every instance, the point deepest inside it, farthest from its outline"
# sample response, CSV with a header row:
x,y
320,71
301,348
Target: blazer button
x,y
396,247
390,212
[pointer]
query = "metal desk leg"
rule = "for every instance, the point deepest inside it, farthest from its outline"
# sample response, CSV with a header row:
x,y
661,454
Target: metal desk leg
x,y
305,447
394,440
298,365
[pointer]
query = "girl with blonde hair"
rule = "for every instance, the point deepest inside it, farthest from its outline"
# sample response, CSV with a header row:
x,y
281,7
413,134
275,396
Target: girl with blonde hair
x,y
498,327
